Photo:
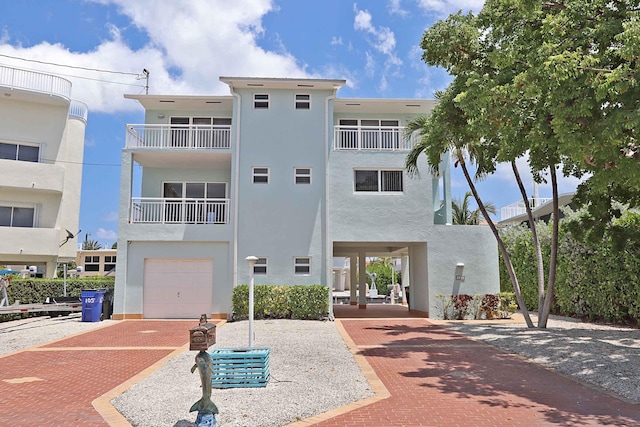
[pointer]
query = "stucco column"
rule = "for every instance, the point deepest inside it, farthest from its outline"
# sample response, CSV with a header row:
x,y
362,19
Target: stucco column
x,y
50,269
406,277
353,280
362,281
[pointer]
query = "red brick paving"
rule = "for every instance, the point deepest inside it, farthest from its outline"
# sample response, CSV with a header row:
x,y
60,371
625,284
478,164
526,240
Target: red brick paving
x,y
439,378
69,377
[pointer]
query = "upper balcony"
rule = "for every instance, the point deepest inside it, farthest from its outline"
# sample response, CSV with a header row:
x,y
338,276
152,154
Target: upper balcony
x,y
371,138
24,84
518,208
178,137
78,110
152,210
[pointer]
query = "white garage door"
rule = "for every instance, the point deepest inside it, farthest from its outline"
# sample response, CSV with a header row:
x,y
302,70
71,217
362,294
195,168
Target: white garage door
x,y
177,288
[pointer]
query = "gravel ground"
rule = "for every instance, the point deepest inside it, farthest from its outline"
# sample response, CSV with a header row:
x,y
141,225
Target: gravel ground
x,y
602,356
19,334
309,359
312,371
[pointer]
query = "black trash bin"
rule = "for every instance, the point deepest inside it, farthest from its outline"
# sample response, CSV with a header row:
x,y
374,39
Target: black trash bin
x,y
107,305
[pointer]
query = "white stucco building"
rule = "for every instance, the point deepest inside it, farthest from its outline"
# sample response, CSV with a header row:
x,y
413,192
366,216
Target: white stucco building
x,y
284,170
41,152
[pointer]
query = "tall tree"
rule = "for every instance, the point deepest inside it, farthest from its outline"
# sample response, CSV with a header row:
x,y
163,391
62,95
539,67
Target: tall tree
x,y
557,81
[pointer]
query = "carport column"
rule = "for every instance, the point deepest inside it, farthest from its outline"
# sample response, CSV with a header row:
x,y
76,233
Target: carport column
x,y
353,280
362,281
406,277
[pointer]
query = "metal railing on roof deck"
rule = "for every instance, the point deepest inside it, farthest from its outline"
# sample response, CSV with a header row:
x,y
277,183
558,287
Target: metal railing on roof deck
x,y
518,208
16,78
78,109
152,210
179,136
373,138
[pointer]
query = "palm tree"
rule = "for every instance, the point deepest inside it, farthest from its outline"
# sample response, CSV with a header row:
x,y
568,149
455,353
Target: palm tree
x,y
447,129
463,215
90,245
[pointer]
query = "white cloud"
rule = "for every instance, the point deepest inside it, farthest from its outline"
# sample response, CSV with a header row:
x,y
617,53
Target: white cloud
x,y
383,40
106,234
178,32
336,41
396,9
443,7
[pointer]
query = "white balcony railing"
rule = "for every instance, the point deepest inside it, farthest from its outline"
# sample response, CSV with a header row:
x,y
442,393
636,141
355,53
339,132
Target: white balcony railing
x,y
15,78
179,211
381,138
518,208
78,110
179,137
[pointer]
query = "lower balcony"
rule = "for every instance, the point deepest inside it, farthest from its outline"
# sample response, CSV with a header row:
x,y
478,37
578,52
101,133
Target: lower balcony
x,y
149,210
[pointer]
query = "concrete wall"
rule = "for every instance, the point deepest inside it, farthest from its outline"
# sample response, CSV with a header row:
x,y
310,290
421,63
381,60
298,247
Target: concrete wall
x,y
129,292
281,220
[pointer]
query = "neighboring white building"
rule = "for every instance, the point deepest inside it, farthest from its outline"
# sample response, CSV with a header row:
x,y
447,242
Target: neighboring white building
x,y
285,171
41,152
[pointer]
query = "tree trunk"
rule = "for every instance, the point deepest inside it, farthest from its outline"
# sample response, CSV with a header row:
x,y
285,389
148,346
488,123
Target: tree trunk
x,y
536,241
501,246
542,322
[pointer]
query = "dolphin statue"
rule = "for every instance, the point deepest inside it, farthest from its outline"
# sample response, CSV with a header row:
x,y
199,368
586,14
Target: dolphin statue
x,y
204,364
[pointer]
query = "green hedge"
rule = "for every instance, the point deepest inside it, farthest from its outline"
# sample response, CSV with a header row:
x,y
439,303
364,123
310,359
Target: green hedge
x,y
36,291
282,302
598,282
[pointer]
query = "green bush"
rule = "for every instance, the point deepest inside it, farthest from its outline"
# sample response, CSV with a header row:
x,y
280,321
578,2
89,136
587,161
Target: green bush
x,y
282,301
36,291
595,281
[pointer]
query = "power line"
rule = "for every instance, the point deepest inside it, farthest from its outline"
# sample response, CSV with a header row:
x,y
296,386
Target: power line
x,y
52,161
100,80
70,66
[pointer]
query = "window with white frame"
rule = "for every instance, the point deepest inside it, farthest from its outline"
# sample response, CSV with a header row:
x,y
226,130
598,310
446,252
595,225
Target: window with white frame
x,y
260,267
195,202
378,181
260,175
22,152
303,101
17,216
92,263
302,265
260,101
302,175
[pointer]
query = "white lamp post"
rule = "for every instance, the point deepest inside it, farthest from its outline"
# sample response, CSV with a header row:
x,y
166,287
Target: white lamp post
x,y
252,261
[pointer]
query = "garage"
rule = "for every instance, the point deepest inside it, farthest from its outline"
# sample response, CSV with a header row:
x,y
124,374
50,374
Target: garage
x,y
177,288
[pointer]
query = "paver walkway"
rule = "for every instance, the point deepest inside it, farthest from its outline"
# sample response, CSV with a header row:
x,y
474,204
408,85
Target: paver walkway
x,y
437,377
57,384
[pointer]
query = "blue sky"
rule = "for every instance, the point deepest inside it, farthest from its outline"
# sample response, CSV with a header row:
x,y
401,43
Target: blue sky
x,y
187,44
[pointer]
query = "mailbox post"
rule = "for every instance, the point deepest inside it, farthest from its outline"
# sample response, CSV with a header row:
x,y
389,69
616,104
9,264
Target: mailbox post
x,y
252,261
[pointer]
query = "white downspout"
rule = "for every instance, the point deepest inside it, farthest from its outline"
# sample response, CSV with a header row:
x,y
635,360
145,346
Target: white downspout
x,y
236,187
328,247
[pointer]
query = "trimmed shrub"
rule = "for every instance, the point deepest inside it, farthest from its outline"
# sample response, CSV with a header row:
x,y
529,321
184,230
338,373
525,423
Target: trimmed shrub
x,y
282,302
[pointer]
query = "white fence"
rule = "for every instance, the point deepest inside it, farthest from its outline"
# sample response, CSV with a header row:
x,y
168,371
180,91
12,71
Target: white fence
x,y
518,208
179,211
382,138
16,78
179,136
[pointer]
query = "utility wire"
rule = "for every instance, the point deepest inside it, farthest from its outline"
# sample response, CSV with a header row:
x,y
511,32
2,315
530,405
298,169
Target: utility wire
x,y
100,80
70,66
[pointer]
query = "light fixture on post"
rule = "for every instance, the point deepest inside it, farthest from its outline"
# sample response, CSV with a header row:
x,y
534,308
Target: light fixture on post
x,y
252,261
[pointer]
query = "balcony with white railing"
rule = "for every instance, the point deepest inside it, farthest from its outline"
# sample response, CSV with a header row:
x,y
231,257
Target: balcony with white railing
x,y
371,138
16,78
78,110
179,137
518,208
149,210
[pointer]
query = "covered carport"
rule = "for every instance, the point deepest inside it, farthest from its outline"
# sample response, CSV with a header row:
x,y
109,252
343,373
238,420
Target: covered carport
x,y
413,256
